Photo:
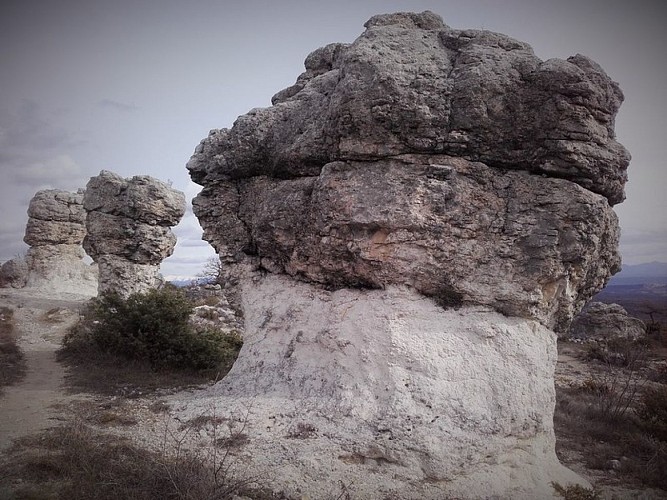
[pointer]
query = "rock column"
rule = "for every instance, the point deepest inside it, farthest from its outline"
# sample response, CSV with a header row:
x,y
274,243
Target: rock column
x,y
55,231
129,229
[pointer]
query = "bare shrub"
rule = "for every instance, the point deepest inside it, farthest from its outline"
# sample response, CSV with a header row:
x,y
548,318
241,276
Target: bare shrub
x,y
612,419
302,430
74,462
576,492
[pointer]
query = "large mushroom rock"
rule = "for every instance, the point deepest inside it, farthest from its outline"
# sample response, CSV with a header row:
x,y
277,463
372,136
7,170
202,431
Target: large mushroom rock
x,y
129,233
55,231
412,86
416,170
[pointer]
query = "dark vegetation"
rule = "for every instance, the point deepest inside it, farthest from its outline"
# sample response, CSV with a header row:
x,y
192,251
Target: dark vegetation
x,y
616,420
12,361
142,343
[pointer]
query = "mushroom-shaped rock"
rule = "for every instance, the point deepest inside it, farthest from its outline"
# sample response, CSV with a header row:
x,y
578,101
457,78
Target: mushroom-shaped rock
x,y
55,230
405,228
129,233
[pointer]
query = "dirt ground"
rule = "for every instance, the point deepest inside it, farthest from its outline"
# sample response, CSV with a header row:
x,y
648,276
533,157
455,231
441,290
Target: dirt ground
x,y
41,399
30,405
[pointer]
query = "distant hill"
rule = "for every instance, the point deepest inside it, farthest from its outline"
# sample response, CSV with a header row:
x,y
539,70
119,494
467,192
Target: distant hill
x,y
639,288
641,274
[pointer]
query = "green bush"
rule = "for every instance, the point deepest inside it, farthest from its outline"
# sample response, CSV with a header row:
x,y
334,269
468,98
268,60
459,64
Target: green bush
x,y
151,327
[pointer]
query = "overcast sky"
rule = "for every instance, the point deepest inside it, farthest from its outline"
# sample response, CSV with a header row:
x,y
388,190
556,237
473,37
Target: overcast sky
x,y
132,86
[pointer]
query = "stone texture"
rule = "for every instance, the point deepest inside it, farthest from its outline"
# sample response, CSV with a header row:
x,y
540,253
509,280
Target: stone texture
x,y
410,84
416,170
55,231
459,231
129,233
388,394
606,321
14,273
366,119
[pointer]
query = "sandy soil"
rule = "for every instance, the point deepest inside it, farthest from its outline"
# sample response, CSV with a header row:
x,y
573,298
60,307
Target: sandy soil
x,y
41,322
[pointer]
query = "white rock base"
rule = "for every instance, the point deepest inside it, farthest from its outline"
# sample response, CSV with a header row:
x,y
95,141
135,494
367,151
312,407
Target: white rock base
x,y
60,269
383,394
125,277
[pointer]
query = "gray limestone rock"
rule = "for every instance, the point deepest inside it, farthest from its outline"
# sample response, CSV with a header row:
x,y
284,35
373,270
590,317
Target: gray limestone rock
x,y
458,231
452,161
128,229
55,231
606,321
411,84
14,273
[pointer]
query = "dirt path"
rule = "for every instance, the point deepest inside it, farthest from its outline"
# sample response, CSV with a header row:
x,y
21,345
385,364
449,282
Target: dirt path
x,y
41,322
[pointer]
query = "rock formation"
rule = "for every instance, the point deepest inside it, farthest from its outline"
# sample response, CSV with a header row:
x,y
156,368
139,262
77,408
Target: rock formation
x,y
405,228
129,233
601,321
55,231
14,273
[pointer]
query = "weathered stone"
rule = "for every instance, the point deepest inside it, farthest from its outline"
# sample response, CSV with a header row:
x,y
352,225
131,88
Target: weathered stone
x,y
61,268
142,199
606,321
55,231
418,161
407,85
413,86
129,231
14,273
458,231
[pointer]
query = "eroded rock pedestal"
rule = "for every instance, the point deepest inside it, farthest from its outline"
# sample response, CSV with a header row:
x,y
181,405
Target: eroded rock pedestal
x,y
129,229
406,227
55,231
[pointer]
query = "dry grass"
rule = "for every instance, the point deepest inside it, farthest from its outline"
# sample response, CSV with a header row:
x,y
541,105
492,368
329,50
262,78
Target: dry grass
x,y
614,420
106,374
75,462
576,492
12,361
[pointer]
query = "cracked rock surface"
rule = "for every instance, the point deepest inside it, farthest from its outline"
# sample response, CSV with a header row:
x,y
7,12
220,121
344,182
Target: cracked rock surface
x,y
129,229
55,231
453,161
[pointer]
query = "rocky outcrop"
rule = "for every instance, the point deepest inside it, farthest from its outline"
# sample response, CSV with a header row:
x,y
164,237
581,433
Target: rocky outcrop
x,y
408,191
14,273
55,231
390,157
129,233
601,321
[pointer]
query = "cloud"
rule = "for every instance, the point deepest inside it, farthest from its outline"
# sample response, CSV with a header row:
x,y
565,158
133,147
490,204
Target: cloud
x,y
643,245
26,131
117,105
57,171
34,155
